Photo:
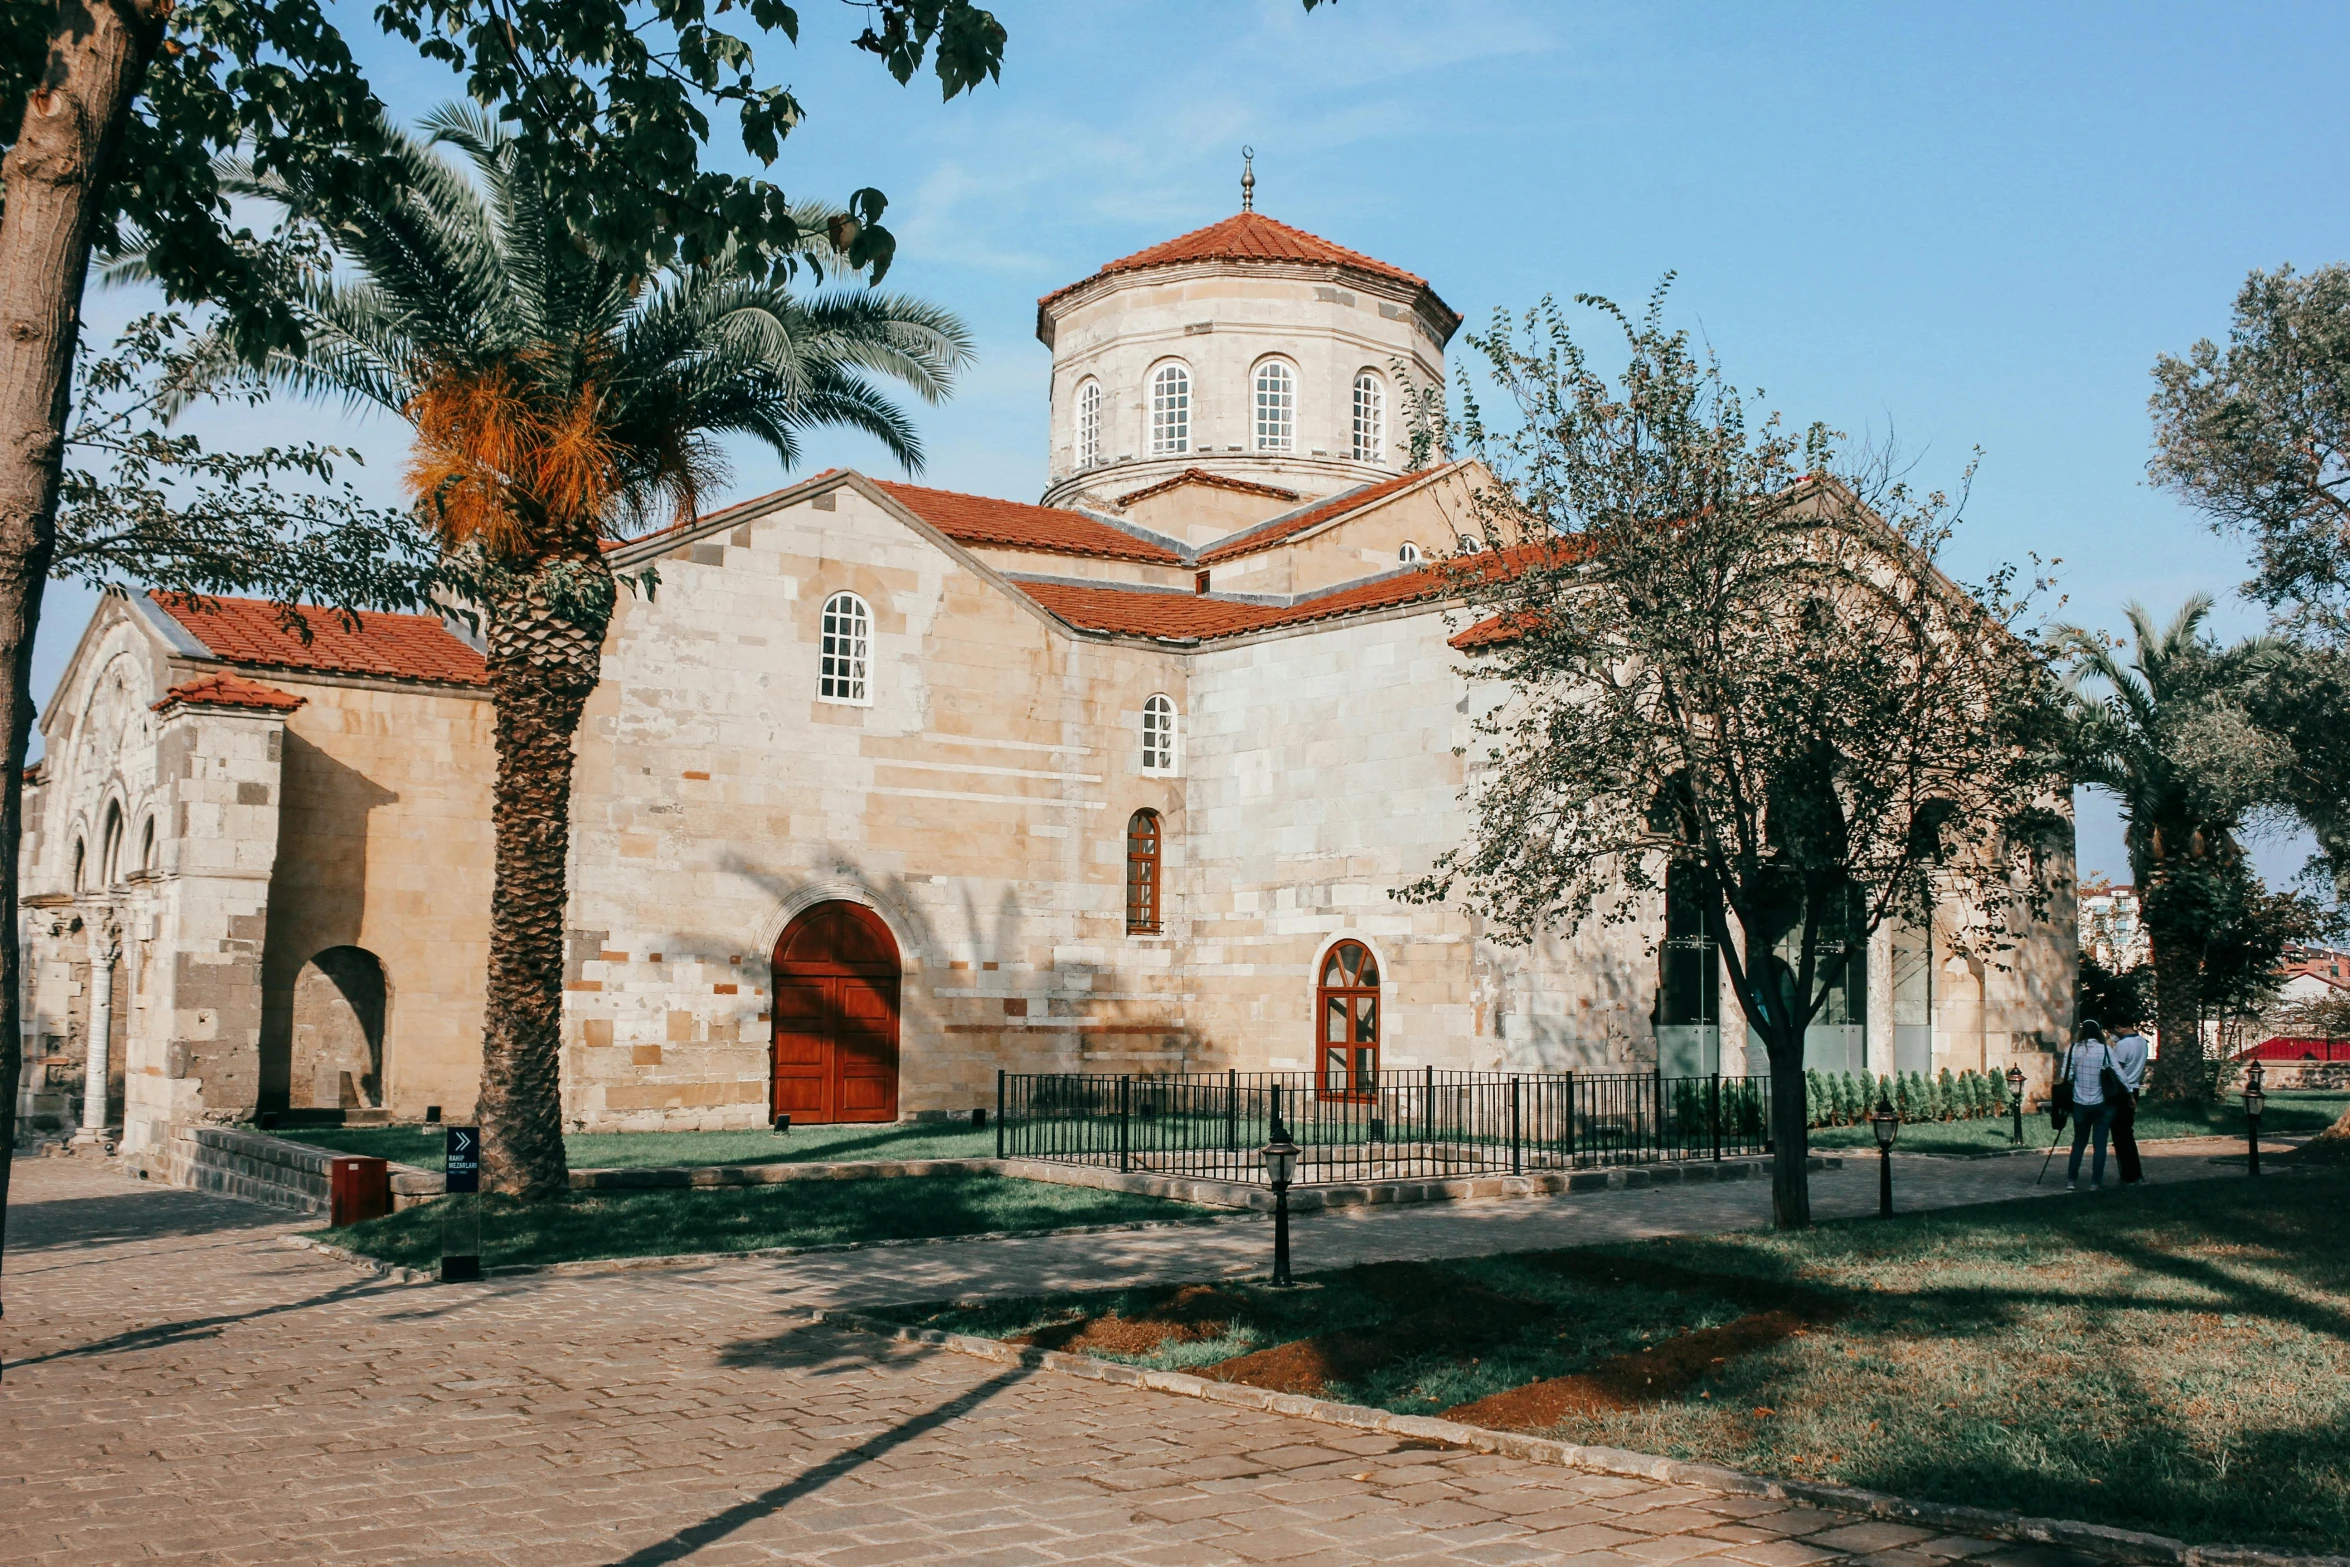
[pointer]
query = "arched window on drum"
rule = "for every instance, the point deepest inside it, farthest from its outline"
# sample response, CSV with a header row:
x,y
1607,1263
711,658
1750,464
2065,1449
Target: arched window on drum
x,y
1346,1023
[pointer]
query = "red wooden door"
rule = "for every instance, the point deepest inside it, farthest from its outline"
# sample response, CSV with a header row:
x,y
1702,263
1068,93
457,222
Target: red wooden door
x,y
835,1050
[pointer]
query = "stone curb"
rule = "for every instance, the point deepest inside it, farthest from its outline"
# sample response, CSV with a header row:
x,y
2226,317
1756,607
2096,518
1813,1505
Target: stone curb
x,y
2119,1545
400,1273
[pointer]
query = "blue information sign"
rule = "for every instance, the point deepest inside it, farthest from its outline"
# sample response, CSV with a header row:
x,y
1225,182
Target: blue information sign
x,y
464,1159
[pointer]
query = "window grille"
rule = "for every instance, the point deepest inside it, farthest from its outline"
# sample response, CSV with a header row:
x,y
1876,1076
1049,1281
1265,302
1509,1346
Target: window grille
x,y
1158,735
1089,424
1170,411
1276,407
1142,873
847,648
1370,419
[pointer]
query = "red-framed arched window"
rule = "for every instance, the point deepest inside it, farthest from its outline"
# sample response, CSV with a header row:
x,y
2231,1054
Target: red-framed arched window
x,y
1144,839
1346,1022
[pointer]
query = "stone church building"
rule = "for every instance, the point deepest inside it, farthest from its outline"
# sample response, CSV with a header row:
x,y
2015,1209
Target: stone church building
x,y
891,787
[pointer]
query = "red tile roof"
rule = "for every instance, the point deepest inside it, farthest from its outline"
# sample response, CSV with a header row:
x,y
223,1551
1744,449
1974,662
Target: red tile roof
x,y
1492,632
227,691
1213,481
1249,236
980,519
393,647
1141,612
1281,531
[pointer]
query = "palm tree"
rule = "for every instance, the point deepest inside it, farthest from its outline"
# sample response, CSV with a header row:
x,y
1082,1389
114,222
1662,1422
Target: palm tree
x,y
560,400
2173,739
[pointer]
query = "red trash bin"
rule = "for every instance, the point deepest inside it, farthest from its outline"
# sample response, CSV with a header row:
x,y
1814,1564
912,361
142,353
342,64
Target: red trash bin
x,y
358,1189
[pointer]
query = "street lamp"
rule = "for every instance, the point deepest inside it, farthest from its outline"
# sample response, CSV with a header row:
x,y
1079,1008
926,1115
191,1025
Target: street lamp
x,y
1280,1156
2254,1102
2015,1098
1886,1124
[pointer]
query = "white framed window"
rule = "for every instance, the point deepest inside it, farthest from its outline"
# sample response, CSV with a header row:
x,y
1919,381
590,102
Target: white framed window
x,y
1370,419
1170,411
1089,424
1276,404
847,650
1409,554
1158,735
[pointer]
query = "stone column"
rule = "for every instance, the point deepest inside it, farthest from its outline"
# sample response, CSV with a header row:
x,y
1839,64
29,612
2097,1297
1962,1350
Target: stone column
x,y
105,948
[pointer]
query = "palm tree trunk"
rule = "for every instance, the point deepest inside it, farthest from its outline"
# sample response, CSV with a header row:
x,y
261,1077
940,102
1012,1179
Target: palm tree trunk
x,y
544,656
2179,1070
55,174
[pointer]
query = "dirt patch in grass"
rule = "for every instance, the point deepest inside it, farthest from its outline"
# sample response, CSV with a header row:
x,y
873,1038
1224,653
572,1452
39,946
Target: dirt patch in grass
x,y
1194,1313
1466,1319
1628,1381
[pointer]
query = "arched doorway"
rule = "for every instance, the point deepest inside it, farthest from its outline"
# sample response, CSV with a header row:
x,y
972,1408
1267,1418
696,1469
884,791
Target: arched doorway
x,y
338,1032
835,1056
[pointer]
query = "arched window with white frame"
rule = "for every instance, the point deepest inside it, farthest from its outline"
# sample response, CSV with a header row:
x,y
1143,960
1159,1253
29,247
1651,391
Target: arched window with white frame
x,y
1158,735
847,650
1276,405
1170,411
1089,424
1407,553
1370,444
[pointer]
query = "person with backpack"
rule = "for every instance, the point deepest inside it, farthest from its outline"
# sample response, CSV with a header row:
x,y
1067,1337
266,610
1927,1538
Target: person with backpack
x,y
2129,1064
2089,1072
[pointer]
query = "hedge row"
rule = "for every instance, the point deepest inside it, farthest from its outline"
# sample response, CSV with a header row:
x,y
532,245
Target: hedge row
x,y
1846,1098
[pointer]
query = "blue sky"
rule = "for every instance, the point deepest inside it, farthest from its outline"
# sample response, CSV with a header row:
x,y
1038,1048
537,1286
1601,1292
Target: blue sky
x,y
1976,226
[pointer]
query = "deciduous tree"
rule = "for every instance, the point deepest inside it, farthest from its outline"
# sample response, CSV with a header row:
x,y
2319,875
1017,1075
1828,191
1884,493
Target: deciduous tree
x,y
1729,646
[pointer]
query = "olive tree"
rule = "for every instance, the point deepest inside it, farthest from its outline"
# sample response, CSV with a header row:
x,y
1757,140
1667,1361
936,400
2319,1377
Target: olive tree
x,y
1732,648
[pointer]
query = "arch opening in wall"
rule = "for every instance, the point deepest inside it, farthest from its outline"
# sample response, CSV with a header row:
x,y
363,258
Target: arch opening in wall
x,y
338,1032
833,1055
1346,1023
1170,411
1370,418
1275,402
81,862
110,852
147,845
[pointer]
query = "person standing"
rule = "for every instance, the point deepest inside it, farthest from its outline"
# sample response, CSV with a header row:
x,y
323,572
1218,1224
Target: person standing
x,y
2085,1069
2129,1064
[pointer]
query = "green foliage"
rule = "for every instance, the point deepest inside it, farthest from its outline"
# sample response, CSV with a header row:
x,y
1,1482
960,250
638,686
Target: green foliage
x,y
1845,1099
1733,647
141,505
2258,435
272,78
2178,737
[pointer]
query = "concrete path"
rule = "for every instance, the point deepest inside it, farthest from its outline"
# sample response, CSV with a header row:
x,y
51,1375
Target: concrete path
x,y
182,1387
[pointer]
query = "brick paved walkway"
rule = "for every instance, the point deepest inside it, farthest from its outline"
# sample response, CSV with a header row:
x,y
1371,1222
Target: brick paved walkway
x,y
183,1388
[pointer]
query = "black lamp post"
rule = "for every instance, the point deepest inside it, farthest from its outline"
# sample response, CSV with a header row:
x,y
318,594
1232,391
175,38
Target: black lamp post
x,y
2015,1098
1280,1156
1887,1125
2254,1102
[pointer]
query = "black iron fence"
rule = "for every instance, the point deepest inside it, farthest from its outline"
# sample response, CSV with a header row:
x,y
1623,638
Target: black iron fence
x,y
1395,1126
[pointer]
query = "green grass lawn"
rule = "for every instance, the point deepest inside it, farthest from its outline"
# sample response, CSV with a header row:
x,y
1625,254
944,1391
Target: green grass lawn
x,y
668,1221
2174,1359
421,1145
2288,1114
